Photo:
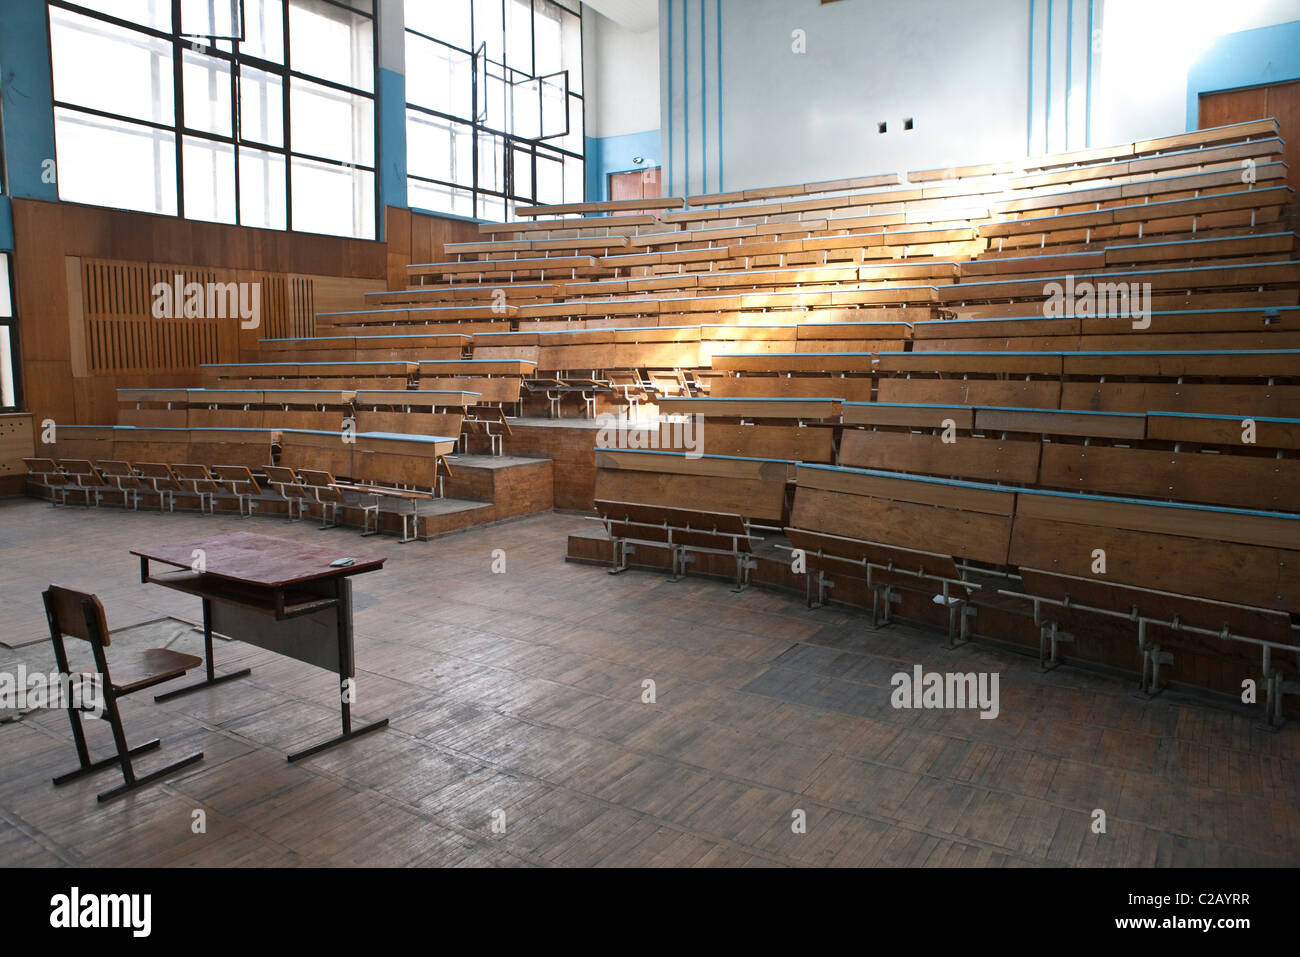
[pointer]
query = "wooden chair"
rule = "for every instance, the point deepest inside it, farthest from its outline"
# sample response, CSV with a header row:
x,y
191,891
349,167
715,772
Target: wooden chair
x,y
122,476
285,481
80,615
159,477
201,483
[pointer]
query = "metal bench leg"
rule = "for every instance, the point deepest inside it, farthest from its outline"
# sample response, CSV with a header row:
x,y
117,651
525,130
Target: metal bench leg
x,y
621,550
369,513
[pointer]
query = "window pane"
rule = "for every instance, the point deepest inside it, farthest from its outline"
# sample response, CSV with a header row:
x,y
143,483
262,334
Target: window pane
x,y
209,180
331,43
150,13
574,141
439,149
206,84
137,84
6,293
333,199
492,97
440,199
330,123
210,18
490,158
488,28
519,34
491,208
438,77
548,41
264,30
526,109
113,163
522,170
261,189
444,20
571,28
550,179
261,107
554,121
575,185
7,397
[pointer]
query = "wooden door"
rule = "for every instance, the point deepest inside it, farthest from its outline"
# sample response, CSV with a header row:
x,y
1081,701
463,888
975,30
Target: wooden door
x,y
636,184
1279,100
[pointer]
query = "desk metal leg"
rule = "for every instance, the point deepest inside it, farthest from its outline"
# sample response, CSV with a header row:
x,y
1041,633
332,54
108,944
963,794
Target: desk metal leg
x,y
347,669
212,677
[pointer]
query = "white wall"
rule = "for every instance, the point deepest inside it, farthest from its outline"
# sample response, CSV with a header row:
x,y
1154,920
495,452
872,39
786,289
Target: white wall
x,y
620,76
959,69
1146,49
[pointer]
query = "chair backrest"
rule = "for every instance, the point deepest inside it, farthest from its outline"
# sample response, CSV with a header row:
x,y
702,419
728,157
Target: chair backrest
x,y
75,613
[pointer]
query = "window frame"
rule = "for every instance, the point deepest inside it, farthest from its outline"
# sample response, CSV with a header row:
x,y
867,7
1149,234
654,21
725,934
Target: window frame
x,y
236,61
480,128
10,322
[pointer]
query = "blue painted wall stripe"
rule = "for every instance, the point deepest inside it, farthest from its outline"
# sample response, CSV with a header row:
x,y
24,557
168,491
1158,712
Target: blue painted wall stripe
x,y
718,17
1047,100
686,102
704,104
1029,114
1069,66
1087,99
669,118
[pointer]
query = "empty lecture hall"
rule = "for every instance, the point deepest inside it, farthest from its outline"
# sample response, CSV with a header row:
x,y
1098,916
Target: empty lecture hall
x,y
637,434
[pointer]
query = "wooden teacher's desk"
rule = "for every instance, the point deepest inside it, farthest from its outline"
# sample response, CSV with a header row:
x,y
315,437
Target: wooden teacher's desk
x,y
284,596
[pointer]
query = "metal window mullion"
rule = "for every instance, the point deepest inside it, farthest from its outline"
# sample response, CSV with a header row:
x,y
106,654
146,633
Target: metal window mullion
x,y
178,107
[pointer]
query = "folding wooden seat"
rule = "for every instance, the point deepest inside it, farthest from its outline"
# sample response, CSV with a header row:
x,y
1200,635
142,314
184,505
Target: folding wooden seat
x,y
162,481
199,481
327,494
47,474
239,481
122,476
80,615
84,477
285,481
486,422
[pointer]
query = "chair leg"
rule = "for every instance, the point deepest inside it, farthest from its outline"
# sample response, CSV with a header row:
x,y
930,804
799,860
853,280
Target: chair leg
x,y
151,776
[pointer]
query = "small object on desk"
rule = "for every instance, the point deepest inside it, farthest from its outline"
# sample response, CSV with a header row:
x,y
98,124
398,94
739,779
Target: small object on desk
x,y
342,562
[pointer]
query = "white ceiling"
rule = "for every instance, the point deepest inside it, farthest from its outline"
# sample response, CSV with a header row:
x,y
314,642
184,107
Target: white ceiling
x,y
634,15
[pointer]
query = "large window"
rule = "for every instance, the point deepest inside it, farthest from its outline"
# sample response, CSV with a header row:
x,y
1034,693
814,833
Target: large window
x,y
8,347
494,105
257,112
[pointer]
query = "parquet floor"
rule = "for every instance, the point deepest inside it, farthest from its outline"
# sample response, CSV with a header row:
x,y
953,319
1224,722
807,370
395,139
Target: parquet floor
x,y
518,696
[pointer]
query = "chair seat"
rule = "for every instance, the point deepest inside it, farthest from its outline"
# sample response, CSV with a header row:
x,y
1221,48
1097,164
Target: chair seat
x,y
134,670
